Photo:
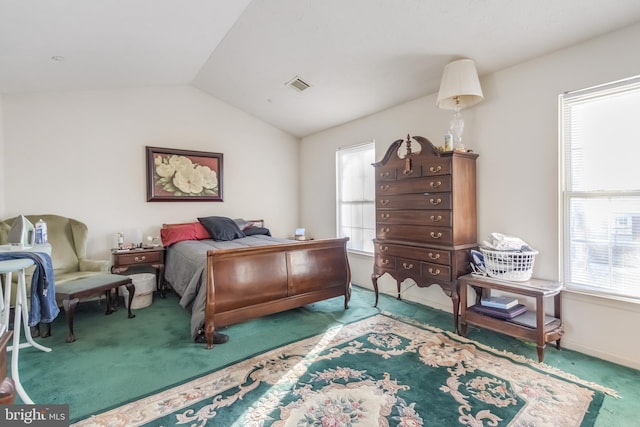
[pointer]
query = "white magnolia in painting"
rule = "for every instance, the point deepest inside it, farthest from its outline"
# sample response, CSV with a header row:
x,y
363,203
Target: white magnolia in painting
x,y
182,177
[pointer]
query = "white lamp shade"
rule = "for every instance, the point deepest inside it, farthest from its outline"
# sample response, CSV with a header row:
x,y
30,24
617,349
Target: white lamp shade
x,y
460,86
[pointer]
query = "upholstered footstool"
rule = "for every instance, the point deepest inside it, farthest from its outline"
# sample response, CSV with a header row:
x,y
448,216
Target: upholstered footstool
x,y
71,292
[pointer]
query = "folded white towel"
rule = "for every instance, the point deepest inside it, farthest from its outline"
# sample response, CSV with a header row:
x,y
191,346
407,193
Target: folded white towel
x,y
502,242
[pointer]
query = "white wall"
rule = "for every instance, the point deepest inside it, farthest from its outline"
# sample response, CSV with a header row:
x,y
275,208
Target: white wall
x,y
515,132
82,154
2,163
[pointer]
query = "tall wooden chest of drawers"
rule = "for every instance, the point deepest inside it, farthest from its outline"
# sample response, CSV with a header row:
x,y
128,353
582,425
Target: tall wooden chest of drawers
x,y
426,219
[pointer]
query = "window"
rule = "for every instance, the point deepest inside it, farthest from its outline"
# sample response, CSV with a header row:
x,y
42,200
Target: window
x,y
356,196
600,138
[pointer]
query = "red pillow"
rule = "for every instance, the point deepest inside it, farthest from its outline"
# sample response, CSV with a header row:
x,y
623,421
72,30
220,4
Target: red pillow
x,y
174,233
201,232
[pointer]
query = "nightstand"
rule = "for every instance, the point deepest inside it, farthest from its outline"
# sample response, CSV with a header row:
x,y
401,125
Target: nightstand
x,y
123,259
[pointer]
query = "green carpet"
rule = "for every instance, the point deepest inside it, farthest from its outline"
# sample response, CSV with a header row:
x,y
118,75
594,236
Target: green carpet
x,y
116,360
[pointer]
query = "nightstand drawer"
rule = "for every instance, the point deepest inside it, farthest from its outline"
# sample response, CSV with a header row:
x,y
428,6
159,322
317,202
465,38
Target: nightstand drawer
x,y
141,257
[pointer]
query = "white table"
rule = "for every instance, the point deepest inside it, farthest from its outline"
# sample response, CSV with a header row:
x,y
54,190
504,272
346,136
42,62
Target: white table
x,y
7,267
40,247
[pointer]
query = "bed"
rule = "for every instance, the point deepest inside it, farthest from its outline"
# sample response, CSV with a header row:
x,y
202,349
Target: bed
x,y
224,282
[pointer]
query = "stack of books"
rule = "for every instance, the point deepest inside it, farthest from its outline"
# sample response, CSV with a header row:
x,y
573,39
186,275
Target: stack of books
x,y
500,307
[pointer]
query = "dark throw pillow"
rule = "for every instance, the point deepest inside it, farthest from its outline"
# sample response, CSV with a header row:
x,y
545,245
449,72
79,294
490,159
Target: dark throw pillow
x,y
221,228
257,230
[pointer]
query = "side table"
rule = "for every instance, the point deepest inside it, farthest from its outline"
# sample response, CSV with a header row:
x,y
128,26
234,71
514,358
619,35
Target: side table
x,y
543,331
70,293
123,259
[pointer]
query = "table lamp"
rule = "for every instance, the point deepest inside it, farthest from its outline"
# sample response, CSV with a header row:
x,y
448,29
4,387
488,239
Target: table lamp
x,y
459,89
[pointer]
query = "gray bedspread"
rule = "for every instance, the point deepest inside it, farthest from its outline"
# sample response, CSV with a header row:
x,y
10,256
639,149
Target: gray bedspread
x,y
185,270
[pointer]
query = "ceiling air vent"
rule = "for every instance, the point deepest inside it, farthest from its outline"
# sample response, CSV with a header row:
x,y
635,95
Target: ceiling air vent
x,y
298,84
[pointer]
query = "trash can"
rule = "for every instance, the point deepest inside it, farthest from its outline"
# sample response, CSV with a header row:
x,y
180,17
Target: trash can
x,y
145,284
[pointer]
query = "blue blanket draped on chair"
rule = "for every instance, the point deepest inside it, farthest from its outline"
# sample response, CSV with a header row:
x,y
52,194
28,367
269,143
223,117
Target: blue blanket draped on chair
x,y
43,290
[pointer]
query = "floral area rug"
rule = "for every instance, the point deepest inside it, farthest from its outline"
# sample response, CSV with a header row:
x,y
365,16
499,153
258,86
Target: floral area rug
x,y
380,371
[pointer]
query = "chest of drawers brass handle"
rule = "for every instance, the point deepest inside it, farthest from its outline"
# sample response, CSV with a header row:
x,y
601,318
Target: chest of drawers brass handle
x,y
140,259
384,202
435,169
385,261
435,218
435,184
385,216
408,266
434,256
384,187
384,174
434,271
435,201
435,235
385,229
384,248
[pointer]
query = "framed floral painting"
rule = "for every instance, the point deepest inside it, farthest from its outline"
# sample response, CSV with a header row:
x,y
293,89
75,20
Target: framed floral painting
x,y
183,175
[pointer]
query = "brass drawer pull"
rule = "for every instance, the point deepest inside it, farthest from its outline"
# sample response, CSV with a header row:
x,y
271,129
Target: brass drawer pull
x,y
384,174
384,202
140,259
384,187
385,262
436,235
435,218
435,201
434,256
435,184
385,229
407,266
385,216
434,271
434,169
384,248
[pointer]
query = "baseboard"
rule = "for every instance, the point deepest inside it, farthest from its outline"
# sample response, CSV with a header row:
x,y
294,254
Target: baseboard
x,y
609,357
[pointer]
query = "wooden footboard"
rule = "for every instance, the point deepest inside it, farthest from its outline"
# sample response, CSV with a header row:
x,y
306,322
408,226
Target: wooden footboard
x,y
251,282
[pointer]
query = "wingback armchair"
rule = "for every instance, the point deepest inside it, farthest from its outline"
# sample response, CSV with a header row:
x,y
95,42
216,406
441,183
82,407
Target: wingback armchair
x,y
68,239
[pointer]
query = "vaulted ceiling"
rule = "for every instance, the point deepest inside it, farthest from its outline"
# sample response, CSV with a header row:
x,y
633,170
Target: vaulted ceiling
x,y
358,56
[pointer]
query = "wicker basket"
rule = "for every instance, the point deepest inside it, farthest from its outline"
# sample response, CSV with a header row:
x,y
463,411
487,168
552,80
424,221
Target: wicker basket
x,y
509,265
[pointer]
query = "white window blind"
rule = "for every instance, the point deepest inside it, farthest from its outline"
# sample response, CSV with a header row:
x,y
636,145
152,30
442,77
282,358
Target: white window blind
x,y
600,137
356,196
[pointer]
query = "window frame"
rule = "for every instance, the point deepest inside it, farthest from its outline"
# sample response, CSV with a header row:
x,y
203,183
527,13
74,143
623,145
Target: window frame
x,y
568,194
360,147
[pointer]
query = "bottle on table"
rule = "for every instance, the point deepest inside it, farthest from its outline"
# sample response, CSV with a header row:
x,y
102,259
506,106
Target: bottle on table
x,y
41,232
